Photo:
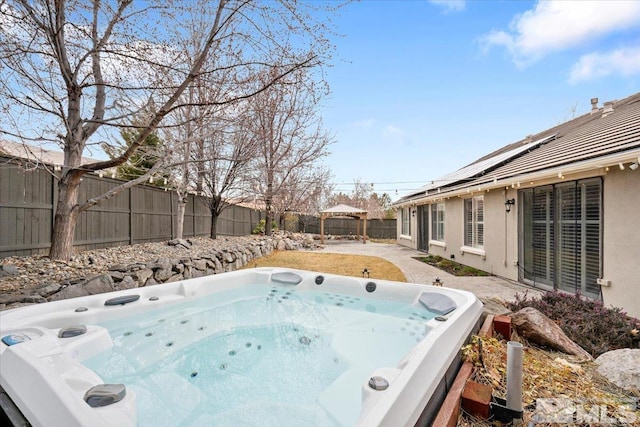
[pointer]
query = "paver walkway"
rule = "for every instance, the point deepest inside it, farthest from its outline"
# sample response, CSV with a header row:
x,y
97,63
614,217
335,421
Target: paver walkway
x,y
419,272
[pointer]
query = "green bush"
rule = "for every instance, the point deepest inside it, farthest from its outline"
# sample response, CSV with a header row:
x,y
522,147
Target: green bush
x,y
259,229
587,322
451,267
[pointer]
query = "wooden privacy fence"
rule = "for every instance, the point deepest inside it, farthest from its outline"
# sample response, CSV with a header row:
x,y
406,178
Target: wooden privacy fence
x,y
136,215
376,228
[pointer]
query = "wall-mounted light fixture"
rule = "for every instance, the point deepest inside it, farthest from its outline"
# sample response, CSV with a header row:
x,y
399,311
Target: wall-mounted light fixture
x,y
508,203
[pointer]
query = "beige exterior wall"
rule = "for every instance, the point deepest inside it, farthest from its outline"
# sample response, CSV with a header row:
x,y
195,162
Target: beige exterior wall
x,y
500,230
621,240
621,226
408,241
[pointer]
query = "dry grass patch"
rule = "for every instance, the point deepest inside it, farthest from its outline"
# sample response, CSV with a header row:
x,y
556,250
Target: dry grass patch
x,y
546,374
343,264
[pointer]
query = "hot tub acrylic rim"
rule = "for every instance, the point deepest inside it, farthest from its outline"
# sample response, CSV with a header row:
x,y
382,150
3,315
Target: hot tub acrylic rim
x,y
384,409
416,373
169,293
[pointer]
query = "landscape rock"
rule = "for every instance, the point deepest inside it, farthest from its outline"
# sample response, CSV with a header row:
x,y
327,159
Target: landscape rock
x,y
92,286
180,242
146,264
175,278
308,241
126,283
9,270
163,274
495,306
621,367
21,299
200,264
48,290
117,275
143,275
539,329
98,284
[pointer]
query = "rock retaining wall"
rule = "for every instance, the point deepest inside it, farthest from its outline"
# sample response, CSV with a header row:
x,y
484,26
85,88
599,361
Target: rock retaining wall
x,y
162,270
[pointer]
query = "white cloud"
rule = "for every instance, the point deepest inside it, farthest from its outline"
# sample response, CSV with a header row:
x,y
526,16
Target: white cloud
x,y
450,5
625,61
557,25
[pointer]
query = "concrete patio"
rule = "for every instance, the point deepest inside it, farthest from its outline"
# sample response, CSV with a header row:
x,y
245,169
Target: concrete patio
x,y
419,272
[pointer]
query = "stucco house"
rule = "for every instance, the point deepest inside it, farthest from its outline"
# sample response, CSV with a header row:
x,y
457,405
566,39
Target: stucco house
x,y
556,210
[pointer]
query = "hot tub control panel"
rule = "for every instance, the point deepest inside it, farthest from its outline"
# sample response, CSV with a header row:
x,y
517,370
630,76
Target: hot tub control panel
x,y
21,336
15,339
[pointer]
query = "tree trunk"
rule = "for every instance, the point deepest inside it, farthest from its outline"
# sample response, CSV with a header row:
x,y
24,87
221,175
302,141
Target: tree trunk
x,y
65,219
181,209
268,219
214,223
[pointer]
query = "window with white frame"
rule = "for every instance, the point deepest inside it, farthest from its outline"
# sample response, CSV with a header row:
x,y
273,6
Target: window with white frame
x,y
474,222
437,222
406,222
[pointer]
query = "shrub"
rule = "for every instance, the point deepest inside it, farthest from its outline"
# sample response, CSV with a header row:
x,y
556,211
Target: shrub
x,y
451,267
587,322
259,229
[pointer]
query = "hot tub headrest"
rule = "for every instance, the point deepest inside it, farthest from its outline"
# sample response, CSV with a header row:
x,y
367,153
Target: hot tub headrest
x,y
437,302
105,394
286,277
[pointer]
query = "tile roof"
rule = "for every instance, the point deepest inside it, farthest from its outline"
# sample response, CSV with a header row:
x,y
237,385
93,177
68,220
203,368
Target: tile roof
x,y
591,136
34,153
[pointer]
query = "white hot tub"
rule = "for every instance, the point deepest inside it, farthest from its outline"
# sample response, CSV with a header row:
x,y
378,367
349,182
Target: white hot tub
x,y
265,346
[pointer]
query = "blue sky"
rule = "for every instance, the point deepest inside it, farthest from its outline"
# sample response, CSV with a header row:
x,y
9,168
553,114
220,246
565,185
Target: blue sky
x,y
423,88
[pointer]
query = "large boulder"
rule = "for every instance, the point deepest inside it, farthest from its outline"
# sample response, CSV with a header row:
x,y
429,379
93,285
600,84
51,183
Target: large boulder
x,y
539,329
621,367
92,286
20,298
143,275
126,283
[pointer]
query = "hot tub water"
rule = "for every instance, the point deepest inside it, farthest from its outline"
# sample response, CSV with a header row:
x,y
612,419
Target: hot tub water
x,y
258,355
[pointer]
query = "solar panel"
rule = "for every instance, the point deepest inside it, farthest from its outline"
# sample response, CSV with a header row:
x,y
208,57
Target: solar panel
x,y
481,167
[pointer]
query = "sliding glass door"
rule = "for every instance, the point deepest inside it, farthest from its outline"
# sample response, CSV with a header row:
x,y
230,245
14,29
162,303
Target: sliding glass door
x,y
561,243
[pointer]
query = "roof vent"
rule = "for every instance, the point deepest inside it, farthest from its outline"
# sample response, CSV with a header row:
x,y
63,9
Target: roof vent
x,y
608,108
594,105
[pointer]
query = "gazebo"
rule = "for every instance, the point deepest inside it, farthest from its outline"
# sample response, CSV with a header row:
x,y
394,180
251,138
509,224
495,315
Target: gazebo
x,y
349,211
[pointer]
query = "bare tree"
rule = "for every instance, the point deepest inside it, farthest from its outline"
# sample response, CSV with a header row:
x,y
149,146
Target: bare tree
x,y
81,68
303,192
225,173
364,197
289,133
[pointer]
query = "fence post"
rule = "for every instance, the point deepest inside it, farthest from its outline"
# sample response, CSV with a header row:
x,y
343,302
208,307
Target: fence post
x,y
171,213
131,215
54,202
